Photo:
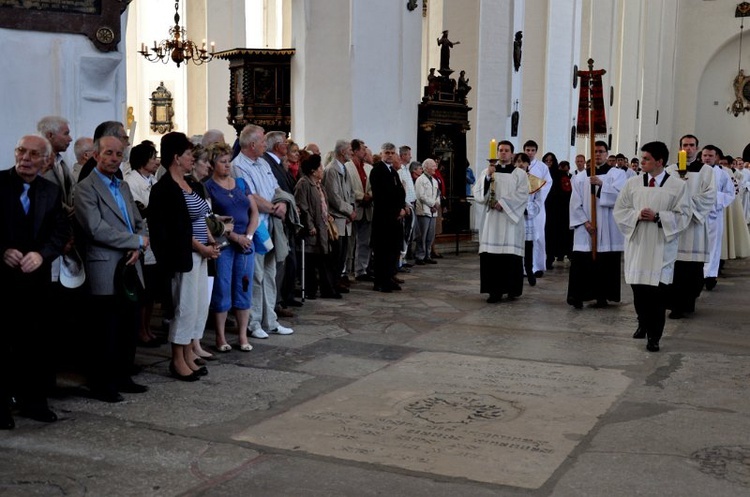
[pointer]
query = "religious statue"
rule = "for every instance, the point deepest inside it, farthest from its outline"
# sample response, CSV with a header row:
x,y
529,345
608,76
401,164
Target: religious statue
x,y
463,87
445,51
739,106
432,84
517,43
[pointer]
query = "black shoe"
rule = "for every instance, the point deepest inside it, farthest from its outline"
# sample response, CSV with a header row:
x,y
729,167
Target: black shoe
x,y
407,265
342,289
43,414
106,395
639,333
710,283
396,287
201,371
293,303
539,274
397,281
494,298
420,262
652,346
676,315
578,304
600,304
335,295
384,289
310,296
430,261
131,387
403,269
151,344
532,280
6,420
435,255
364,277
187,377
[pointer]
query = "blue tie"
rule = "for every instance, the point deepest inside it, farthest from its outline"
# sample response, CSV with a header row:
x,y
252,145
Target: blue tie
x,y
114,187
25,202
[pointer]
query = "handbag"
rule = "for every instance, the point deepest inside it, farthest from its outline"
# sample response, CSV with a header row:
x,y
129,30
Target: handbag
x,y
333,233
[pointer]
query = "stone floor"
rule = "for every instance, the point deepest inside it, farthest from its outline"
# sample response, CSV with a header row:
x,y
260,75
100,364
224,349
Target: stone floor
x,y
425,392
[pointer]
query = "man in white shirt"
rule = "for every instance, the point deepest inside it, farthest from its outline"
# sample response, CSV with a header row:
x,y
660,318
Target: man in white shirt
x,y
651,211
249,166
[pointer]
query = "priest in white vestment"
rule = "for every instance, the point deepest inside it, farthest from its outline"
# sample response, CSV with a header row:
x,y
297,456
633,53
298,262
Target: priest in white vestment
x,y
595,277
724,197
502,191
651,211
693,245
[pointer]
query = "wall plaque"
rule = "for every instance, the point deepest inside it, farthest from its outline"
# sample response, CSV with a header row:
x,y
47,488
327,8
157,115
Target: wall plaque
x,y
99,20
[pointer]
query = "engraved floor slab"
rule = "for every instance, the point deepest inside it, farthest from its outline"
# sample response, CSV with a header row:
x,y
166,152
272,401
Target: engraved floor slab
x,y
492,420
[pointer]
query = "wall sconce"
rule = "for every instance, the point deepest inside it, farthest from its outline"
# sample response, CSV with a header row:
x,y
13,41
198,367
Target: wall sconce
x,y
161,110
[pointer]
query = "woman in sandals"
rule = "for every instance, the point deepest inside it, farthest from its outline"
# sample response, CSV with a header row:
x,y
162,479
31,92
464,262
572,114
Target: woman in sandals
x,y
233,283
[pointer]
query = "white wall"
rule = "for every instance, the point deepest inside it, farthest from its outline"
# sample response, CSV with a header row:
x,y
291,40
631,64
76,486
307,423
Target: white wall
x,y
56,74
356,72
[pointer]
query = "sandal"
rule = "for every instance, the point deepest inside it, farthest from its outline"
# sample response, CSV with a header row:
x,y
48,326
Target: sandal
x,y
246,347
224,347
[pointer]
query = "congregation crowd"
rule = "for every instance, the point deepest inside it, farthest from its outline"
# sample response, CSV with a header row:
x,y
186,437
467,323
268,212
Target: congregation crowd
x,y
207,230
199,227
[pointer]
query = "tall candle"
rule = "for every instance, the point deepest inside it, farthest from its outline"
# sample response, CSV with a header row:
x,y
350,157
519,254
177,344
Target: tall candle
x,y
682,160
493,149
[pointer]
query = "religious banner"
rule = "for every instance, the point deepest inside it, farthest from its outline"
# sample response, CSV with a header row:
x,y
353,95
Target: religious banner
x,y
591,94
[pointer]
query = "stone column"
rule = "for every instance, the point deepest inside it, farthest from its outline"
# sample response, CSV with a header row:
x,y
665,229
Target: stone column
x,y
362,82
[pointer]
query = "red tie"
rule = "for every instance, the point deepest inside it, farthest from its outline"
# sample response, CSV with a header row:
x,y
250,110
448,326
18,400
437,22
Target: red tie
x,y
652,183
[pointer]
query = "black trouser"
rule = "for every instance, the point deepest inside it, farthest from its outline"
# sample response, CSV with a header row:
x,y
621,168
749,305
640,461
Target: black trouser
x,y
528,258
651,306
686,286
112,336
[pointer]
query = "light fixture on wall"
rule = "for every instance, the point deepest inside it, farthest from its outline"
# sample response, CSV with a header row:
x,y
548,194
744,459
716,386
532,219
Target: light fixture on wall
x,y
178,48
741,94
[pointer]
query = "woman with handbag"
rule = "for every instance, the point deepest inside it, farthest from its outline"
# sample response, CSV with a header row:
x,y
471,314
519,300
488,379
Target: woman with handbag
x,y
318,230
182,245
233,283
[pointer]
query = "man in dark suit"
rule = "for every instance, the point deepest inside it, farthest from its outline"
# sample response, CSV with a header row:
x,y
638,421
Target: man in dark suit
x,y
113,230
286,271
33,231
389,200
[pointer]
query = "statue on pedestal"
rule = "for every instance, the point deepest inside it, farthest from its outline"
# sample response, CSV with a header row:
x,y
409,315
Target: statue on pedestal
x,y
445,51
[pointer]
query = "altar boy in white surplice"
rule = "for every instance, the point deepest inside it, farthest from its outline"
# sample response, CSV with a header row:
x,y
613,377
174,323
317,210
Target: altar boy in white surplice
x,y
651,211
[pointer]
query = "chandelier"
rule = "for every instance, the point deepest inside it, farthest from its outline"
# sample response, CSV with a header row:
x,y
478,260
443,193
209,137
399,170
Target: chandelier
x,y
178,48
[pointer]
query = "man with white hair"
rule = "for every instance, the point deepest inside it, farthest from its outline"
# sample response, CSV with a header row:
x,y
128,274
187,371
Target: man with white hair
x,y
340,197
212,136
83,149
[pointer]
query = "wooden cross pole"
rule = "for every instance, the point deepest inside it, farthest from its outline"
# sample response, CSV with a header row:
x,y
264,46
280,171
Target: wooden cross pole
x,y
592,77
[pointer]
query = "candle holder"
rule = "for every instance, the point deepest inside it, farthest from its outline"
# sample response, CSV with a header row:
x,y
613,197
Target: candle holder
x,y
683,174
492,200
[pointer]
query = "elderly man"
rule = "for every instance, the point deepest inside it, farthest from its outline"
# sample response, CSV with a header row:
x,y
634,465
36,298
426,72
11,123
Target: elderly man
x,y
256,172
33,231
389,198
114,236
427,205
108,128
340,197
286,270
359,177
83,149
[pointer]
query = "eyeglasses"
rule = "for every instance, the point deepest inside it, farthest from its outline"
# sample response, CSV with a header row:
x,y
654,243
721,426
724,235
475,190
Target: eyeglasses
x,y
34,154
